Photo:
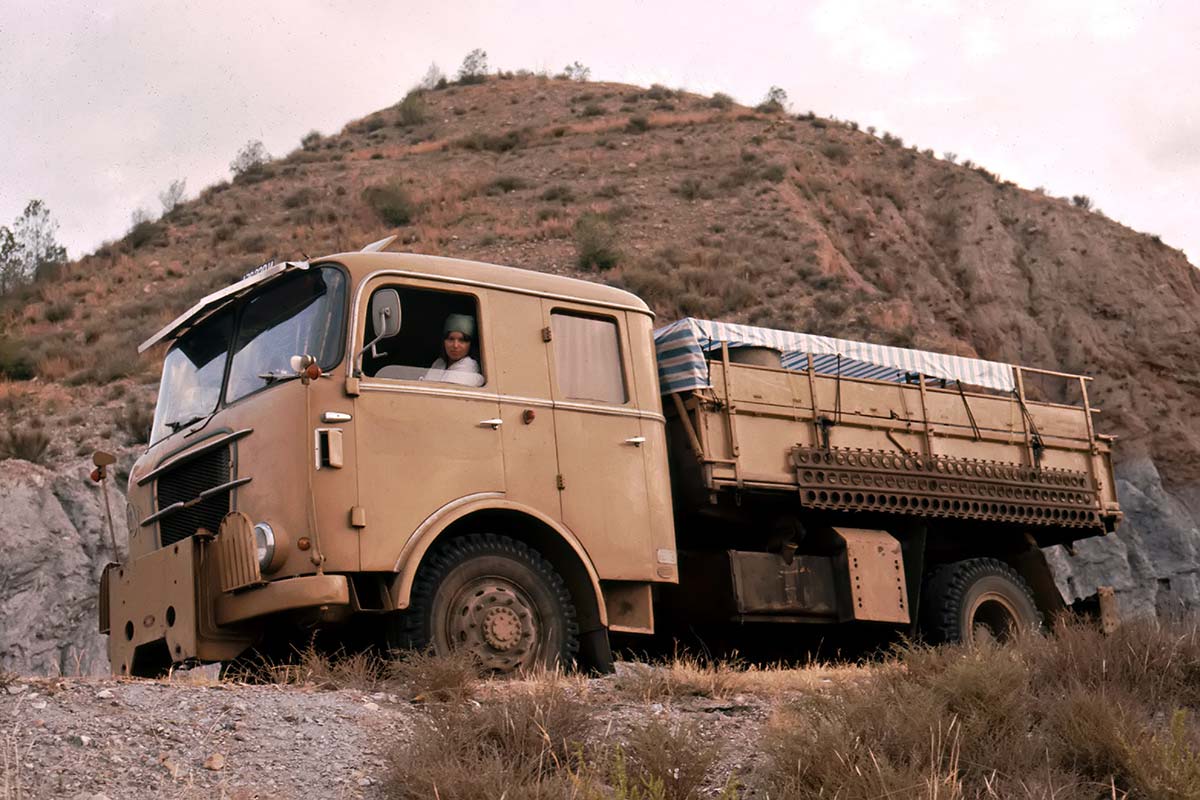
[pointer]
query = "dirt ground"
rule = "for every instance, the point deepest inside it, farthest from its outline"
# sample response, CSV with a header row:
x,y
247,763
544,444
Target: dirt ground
x,y
197,737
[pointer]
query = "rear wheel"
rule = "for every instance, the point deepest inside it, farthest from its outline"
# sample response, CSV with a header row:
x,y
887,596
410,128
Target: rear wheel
x,y
980,599
494,597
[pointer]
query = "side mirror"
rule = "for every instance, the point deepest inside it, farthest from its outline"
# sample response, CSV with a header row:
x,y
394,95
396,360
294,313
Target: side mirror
x,y
385,312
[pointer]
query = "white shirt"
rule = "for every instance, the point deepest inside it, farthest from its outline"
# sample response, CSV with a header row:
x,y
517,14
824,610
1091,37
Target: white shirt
x,y
464,371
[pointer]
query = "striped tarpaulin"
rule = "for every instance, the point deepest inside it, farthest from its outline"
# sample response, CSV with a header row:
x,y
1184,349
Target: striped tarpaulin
x,y
681,361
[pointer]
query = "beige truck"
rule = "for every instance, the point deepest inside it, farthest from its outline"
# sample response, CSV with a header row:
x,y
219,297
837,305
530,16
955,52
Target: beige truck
x,y
440,453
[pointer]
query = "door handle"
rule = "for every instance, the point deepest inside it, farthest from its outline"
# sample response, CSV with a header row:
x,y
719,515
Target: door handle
x,y
636,441
494,424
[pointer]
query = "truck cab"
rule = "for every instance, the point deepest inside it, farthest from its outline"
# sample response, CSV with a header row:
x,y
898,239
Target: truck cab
x,y
310,464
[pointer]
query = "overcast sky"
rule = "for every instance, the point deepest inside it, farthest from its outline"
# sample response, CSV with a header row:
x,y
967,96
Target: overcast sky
x,y
103,104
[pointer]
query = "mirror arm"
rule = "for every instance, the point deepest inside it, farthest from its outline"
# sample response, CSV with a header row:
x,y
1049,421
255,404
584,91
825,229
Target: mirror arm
x,y
358,357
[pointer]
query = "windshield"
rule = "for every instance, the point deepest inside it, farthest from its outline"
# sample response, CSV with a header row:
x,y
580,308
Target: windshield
x,y
295,317
192,373
299,314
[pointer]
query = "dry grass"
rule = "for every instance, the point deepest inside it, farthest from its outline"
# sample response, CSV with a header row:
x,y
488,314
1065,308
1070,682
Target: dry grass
x,y
527,745
27,444
425,676
685,676
1077,715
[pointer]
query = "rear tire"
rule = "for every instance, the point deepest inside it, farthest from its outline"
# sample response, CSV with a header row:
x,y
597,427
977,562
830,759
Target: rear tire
x,y
977,600
495,597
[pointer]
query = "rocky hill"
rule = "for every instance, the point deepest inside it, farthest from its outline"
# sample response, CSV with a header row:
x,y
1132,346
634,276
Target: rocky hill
x,y
702,207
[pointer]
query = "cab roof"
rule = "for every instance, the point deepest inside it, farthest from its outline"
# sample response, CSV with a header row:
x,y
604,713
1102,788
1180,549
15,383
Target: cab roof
x,y
363,265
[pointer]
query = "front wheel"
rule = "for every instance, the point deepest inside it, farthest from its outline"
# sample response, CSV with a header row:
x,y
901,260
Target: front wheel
x,y
494,597
980,599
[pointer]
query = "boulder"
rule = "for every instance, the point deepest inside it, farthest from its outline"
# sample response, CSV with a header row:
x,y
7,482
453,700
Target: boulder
x,y
1153,558
55,546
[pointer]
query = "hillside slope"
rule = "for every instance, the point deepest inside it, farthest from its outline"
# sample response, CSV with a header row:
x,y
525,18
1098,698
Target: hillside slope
x,y
709,209
703,208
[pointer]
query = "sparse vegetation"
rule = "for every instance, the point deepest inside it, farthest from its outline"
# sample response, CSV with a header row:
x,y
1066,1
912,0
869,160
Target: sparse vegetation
x,y
775,101
577,72
27,444
15,362
391,201
1078,715
146,232
135,422
496,143
691,188
311,141
474,67
504,184
250,162
173,195
1082,201
720,100
836,152
637,124
411,110
595,243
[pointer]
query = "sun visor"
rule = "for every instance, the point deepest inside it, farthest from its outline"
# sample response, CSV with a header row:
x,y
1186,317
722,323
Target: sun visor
x,y
219,299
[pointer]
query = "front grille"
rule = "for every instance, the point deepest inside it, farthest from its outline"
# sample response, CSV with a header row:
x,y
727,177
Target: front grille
x,y
185,483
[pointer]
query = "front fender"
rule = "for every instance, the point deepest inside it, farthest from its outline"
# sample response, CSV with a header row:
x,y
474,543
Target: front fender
x,y
439,521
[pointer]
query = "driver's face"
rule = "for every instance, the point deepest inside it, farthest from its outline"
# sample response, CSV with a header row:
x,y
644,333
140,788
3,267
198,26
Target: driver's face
x,y
457,346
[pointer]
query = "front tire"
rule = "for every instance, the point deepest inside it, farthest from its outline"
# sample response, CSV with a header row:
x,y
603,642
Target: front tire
x,y
980,599
494,597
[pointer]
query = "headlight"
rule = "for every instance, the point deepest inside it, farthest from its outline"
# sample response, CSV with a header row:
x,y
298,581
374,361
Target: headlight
x,y
264,540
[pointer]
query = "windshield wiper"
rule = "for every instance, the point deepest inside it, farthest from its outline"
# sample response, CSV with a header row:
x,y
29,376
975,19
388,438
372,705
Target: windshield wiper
x,y
274,376
178,425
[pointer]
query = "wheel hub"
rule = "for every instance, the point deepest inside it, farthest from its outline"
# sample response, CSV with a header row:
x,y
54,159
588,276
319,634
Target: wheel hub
x,y
501,628
494,619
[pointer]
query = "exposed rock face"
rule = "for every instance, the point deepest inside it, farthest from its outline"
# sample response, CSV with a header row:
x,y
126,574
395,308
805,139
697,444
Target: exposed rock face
x,y
1153,560
55,546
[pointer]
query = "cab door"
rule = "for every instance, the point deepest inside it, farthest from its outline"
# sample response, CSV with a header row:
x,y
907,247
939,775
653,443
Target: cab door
x,y
599,438
422,442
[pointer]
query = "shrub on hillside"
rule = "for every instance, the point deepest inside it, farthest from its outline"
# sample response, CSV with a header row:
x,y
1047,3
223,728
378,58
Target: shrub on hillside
x,y
558,192
596,243
146,232
26,444
391,202
250,162
474,67
311,141
691,189
299,198
496,143
412,110
504,184
720,100
637,124
836,152
15,362
135,422
1082,201
775,101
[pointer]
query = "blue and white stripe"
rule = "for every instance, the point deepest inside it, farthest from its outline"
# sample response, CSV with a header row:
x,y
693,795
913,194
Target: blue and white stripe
x,y
681,361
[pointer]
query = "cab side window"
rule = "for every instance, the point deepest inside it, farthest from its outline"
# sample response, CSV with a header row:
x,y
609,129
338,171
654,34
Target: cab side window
x,y
587,358
438,342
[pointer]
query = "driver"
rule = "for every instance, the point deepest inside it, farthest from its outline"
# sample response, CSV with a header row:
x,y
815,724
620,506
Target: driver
x,y
456,364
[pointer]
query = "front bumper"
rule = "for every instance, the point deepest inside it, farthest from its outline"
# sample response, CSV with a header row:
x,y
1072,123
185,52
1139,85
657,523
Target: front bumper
x,y
174,605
